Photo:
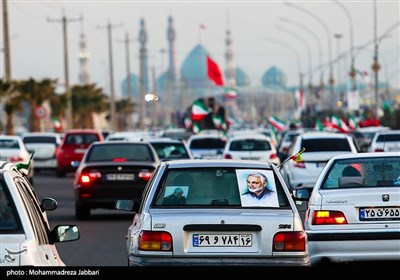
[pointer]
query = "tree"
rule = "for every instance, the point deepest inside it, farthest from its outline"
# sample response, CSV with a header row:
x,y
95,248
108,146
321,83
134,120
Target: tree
x,y
12,103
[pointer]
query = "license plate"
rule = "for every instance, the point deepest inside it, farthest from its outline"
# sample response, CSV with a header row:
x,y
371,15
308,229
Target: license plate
x,y
380,213
222,240
79,151
120,177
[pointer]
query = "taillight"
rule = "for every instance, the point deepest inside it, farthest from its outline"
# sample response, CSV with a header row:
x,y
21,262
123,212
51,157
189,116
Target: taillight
x,y
15,159
88,177
289,241
324,217
299,164
155,241
145,174
273,156
227,156
379,150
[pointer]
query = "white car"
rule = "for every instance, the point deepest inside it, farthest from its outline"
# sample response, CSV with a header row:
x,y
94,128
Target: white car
x,y
251,147
206,146
25,235
385,141
13,149
45,145
319,148
355,216
215,213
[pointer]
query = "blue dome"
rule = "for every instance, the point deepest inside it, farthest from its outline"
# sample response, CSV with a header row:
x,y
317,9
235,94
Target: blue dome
x,y
242,79
274,78
194,69
134,87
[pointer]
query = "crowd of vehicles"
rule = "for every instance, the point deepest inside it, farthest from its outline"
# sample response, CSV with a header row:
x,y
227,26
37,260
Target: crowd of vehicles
x,y
205,220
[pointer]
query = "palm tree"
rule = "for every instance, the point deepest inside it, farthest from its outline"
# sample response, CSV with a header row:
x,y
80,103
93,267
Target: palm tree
x,y
36,94
12,103
86,100
125,109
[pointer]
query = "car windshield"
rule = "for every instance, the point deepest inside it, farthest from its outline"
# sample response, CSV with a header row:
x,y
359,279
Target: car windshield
x,y
207,143
363,172
79,139
39,139
325,144
120,152
218,187
250,145
9,144
170,150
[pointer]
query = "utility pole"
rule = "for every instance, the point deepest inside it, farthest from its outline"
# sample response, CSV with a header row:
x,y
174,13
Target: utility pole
x,y
376,66
69,114
113,123
128,77
6,38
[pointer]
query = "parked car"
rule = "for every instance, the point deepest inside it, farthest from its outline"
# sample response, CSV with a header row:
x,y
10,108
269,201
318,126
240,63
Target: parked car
x,y
354,209
251,147
224,213
13,149
319,148
207,146
112,170
385,141
26,238
170,149
45,145
74,145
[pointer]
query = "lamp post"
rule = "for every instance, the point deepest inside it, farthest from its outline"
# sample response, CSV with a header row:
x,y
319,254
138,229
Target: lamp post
x,y
339,74
331,80
375,66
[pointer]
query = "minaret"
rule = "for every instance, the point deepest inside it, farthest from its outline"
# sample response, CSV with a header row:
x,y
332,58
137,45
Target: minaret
x,y
84,54
171,84
230,63
143,72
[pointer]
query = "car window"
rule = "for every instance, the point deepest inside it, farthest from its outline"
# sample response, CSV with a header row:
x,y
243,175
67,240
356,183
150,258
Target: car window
x,y
170,150
370,172
388,138
80,139
119,152
250,145
9,219
214,187
9,144
39,139
207,143
325,144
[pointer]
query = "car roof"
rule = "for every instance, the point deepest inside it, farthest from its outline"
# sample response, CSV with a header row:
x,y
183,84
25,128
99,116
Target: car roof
x,y
366,155
162,140
186,163
324,134
249,136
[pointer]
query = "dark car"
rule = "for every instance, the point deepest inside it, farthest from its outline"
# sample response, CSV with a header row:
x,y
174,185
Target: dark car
x,y
170,149
111,170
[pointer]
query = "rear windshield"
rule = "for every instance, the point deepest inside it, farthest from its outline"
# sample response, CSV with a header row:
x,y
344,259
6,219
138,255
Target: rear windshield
x,y
120,153
388,138
364,172
207,143
81,139
220,187
250,145
326,145
170,150
9,144
39,139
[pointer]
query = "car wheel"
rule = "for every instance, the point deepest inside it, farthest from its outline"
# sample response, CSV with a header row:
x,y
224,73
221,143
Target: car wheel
x,y
81,212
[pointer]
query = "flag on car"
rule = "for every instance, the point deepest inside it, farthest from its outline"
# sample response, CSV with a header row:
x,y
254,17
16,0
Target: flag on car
x,y
199,110
214,72
298,156
278,124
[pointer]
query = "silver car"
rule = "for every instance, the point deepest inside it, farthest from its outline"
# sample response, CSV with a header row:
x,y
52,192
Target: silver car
x,y
353,213
215,213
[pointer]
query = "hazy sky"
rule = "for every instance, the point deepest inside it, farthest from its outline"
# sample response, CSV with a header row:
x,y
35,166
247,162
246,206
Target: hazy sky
x,y
262,36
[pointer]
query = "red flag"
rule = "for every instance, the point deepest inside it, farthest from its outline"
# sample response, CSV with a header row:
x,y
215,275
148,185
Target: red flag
x,y
214,72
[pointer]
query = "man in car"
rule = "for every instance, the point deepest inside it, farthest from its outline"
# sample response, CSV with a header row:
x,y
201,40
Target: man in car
x,y
176,198
258,193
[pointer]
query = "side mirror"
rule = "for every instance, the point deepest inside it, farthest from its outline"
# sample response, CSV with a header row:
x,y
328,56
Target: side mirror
x,y
75,163
64,233
301,194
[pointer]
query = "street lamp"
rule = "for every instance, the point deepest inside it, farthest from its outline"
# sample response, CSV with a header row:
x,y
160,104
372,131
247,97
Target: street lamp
x,y
331,80
375,66
338,37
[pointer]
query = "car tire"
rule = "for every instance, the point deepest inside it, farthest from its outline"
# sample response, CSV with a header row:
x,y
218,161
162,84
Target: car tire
x,y
81,212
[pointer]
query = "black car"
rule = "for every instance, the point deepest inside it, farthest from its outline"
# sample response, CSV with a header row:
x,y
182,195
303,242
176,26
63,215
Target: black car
x,y
111,170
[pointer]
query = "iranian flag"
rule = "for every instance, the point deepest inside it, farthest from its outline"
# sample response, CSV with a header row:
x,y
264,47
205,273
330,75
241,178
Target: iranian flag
x,y
199,111
214,72
319,126
339,124
230,93
300,99
353,123
278,124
